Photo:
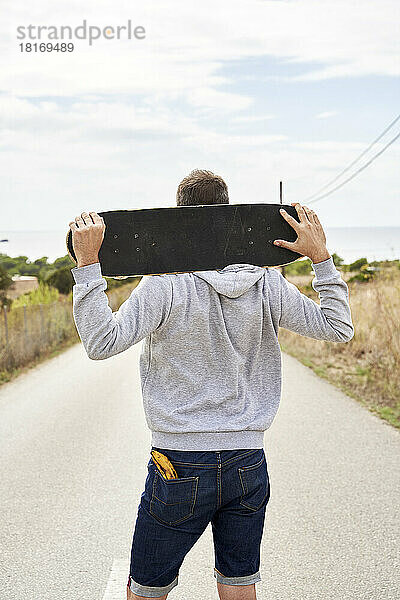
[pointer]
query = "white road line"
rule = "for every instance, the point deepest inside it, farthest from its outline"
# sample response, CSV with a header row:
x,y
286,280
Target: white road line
x,y
116,586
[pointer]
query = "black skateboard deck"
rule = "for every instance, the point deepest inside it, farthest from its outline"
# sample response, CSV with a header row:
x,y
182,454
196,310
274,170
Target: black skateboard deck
x,y
183,239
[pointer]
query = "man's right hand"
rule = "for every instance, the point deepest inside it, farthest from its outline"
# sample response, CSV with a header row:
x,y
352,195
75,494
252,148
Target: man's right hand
x,y
311,239
87,237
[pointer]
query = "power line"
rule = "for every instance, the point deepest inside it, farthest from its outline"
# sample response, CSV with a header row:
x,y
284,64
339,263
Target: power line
x,y
358,171
329,183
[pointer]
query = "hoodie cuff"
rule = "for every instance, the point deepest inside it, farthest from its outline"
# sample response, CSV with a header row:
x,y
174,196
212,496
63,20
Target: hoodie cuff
x,y
87,273
325,268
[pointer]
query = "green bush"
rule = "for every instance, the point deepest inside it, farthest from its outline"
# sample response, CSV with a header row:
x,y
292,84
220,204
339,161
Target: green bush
x,y
366,273
64,261
299,267
61,279
39,268
5,282
357,264
337,260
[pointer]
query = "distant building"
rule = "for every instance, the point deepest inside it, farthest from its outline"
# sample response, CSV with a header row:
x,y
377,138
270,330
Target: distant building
x,y
22,284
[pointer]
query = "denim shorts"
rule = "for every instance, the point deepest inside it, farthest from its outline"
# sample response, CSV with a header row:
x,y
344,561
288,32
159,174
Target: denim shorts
x,y
229,488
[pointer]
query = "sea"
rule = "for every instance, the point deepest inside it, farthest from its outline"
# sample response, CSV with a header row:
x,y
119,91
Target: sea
x,y
351,243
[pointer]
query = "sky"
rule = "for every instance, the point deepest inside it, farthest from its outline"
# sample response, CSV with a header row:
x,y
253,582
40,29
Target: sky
x,y
256,91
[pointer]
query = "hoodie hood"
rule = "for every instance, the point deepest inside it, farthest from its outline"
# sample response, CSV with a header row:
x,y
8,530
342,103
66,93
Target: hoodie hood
x,y
233,280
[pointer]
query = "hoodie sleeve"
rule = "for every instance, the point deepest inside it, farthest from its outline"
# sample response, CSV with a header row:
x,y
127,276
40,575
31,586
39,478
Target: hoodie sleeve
x,y
331,319
104,333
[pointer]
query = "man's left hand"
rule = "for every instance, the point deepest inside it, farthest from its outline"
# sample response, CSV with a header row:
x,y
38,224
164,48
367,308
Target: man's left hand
x,y
87,237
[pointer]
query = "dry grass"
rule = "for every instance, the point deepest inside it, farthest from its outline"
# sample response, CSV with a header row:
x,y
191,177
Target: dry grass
x,y
34,333
368,367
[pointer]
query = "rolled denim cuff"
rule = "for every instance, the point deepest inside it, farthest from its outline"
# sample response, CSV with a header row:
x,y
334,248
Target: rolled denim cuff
x,y
150,591
244,580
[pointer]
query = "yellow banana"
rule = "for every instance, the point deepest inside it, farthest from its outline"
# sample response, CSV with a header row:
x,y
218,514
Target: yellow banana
x,y
164,465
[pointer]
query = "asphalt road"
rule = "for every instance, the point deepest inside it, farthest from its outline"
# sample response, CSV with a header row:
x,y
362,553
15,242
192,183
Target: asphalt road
x,y
74,448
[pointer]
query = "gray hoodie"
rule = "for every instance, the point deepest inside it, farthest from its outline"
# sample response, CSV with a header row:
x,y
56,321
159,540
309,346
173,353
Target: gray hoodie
x,y
210,362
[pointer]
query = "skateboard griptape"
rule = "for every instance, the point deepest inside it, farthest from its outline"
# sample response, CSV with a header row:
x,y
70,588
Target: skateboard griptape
x,y
193,238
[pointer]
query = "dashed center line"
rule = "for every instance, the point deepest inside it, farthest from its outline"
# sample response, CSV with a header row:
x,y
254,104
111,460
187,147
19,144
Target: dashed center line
x,y
116,586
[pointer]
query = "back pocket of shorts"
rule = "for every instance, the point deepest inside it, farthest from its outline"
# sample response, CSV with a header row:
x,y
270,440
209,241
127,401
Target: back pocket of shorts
x,y
255,484
173,500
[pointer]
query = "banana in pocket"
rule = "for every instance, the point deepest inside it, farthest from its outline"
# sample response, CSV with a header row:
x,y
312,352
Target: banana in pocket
x,y
164,465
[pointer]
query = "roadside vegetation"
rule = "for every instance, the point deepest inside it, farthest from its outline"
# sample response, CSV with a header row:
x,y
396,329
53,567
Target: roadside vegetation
x,y
367,367
38,325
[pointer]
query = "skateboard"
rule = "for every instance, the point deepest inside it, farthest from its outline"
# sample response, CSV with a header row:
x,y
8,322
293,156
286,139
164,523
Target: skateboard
x,y
179,239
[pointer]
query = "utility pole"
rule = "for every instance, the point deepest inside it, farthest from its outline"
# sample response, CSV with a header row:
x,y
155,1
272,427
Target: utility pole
x,y
281,201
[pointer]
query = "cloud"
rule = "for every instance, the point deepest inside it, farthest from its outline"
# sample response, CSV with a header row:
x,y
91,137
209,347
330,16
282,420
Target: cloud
x,y
326,115
119,123
253,118
209,98
185,47
58,160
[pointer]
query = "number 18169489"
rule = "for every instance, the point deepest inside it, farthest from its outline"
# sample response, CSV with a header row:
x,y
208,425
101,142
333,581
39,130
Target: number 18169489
x,y
47,47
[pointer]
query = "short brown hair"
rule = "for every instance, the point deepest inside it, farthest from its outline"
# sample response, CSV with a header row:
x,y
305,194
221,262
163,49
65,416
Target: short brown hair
x,y
202,187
